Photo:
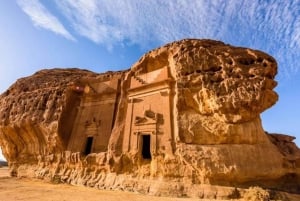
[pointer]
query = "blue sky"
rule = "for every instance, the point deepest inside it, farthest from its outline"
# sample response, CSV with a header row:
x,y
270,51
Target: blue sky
x,y
111,35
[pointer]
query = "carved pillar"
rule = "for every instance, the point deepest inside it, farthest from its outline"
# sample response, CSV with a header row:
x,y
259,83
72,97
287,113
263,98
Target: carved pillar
x,y
127,141
130,126
154,142
71,145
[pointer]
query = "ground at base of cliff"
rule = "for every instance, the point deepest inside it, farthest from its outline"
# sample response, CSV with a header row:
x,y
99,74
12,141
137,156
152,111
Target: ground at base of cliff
x,y
24,189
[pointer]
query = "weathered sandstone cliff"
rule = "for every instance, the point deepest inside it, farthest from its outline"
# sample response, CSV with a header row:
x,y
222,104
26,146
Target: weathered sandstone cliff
x,y
183,121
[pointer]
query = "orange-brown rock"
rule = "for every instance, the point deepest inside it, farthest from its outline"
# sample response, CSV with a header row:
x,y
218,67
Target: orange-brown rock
x,y
183,121
36,113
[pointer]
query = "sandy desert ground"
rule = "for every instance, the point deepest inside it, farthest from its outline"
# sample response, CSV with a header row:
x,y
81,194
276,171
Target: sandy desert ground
x,y
36,190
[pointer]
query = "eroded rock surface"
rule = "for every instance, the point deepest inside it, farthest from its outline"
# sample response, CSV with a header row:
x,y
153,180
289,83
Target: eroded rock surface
x,y
184,117
32,112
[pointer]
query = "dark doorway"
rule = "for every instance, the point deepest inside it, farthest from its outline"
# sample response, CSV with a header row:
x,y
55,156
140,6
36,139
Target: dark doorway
x,y
88,146
146,147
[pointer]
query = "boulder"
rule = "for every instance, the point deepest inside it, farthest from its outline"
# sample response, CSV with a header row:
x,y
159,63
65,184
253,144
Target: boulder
x,y
184,120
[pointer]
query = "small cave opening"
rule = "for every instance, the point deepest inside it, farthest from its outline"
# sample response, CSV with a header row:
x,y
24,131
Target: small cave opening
x,y
88,145
146,153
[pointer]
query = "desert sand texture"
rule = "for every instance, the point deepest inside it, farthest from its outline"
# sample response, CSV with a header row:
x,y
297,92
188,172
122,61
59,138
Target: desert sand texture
x,y
36,190
24,189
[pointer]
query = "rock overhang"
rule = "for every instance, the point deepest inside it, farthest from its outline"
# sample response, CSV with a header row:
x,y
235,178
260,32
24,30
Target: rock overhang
x,y
192,106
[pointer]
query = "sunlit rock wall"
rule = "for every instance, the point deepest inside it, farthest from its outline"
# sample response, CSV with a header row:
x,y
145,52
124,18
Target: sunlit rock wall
x,y
183,119
37,114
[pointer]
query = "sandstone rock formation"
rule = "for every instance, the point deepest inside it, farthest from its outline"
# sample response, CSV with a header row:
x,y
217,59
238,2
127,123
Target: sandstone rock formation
x,y
183,121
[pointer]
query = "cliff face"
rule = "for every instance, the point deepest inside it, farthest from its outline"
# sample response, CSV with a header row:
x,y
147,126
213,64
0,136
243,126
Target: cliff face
x,y
218,88
184,116
220,92
35,112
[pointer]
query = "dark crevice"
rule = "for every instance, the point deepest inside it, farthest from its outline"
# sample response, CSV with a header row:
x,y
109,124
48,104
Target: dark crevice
x,y
146,147
88,146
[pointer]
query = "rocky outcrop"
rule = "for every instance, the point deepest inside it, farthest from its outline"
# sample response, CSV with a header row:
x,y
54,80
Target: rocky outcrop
x,y
183,121
287,148
225,88
35,113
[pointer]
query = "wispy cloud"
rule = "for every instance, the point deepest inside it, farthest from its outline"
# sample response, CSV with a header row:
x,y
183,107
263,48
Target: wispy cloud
x,y
272,26
140,21
41,17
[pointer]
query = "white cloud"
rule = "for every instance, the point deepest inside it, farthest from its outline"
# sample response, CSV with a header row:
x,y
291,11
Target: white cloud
x,y
143,21
273,26
41,17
